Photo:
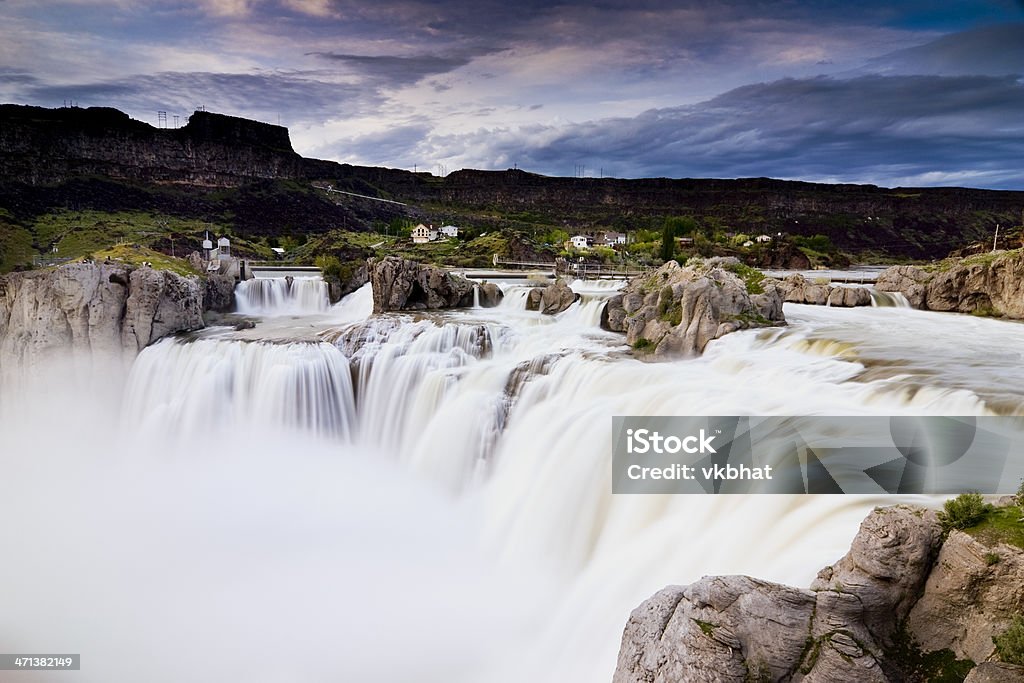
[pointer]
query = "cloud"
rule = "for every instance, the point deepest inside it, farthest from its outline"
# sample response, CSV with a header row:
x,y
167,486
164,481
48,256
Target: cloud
x,y
991,50
262,95
397,70
867,129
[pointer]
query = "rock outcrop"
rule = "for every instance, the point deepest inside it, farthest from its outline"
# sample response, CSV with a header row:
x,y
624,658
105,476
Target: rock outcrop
x,y
971,595
403,285
219,293
991,284
797,289
675,311
490,294
92,307
900,601
551,299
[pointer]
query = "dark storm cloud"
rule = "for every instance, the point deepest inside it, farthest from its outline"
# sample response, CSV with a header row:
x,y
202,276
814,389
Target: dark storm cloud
x,y
267,95
396,70
990,50
868,129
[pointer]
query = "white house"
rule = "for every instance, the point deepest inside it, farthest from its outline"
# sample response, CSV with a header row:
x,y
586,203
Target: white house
x,y
449,231
761,239
580,241
610,239
420,234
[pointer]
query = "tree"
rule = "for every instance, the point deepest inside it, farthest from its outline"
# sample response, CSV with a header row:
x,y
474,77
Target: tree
x,y
668,241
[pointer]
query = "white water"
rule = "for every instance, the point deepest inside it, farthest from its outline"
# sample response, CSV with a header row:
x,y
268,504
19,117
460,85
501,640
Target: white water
x,y
445,514
282,296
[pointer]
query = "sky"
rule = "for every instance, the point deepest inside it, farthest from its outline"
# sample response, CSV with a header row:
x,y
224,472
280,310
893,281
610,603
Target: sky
x,y
890,93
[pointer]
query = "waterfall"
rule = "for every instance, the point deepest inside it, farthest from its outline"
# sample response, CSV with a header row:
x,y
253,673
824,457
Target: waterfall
x,y
282,296
888,299
217,384
442,479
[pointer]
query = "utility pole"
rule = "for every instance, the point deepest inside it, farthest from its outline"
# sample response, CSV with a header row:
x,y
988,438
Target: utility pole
x,y
995,239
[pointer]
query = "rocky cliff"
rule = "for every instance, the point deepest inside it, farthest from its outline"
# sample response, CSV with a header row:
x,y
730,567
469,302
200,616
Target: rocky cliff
x,y
902,605
66,148
989,284
93,308
40,145
676,310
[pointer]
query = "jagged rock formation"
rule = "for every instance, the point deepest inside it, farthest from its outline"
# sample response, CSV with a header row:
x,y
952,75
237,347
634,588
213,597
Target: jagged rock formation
x,y
676,311
986,284
796,289
898,597
93,307
403,285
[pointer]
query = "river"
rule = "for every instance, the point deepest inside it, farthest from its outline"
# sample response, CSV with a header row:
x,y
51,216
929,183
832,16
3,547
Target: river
x,y
334,496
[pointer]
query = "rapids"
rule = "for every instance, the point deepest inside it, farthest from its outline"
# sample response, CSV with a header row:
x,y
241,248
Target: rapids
x,y
427,497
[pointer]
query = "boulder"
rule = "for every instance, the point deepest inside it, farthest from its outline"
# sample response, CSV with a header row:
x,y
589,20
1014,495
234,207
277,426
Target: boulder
x,y
490,294
796,289
533,298
675,311
556,297
403,285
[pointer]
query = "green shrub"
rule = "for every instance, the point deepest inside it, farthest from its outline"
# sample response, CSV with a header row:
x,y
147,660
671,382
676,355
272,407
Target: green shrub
x,y
643,344
964,511
1010,643
330,265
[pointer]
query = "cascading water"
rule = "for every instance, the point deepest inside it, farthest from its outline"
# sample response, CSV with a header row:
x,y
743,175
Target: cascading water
x,y
486,433
888,299
282,296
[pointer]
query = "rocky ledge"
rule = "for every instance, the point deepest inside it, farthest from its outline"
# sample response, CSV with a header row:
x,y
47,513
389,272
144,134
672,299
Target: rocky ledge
x,y
904,604
799,290
403,285
986,284
676,310
100,307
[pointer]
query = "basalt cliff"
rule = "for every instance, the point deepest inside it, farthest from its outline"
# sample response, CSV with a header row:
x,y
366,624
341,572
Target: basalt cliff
x,y
245,174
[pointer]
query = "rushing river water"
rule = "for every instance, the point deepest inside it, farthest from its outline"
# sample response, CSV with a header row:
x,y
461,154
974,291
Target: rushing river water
x,y
333,496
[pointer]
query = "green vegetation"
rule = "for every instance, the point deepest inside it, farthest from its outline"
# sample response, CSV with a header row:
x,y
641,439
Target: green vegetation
x,y
643,344
964,511
668,242
937,666
752,277
707,628
135,255
1010,643
991,559
999,525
